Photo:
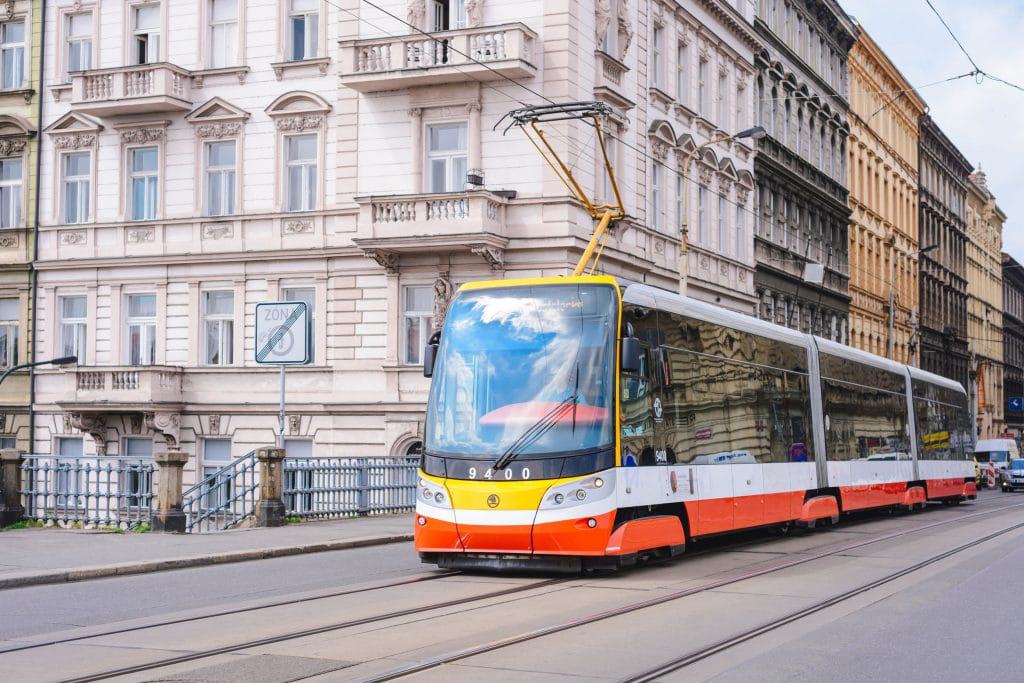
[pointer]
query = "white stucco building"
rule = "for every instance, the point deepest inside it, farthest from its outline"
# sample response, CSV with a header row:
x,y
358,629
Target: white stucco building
x,y
199,158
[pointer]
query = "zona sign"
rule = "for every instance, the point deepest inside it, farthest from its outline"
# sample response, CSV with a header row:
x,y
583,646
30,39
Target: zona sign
x,y
282,333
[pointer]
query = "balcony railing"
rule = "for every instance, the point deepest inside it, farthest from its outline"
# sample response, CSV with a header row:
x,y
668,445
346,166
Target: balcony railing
x,y
483,53
132,90
128,385
455,213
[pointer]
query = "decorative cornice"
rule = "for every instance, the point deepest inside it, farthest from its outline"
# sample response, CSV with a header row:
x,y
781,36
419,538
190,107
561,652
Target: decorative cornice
x,y
74,140
12,146
298,124
218,130
137,136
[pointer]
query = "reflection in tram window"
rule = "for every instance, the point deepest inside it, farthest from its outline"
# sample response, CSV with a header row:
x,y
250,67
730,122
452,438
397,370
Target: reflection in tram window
x,y
866,409
943,423
733,397
638,397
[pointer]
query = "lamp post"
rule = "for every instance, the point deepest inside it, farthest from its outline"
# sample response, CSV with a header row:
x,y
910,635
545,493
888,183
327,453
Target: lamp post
x,y
755,133
892,291
66,360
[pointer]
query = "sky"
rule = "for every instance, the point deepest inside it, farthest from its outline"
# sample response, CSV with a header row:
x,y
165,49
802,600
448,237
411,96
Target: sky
x,y
985,121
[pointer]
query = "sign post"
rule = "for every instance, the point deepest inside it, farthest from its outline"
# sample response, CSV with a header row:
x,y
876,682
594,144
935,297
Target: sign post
x,y
282,339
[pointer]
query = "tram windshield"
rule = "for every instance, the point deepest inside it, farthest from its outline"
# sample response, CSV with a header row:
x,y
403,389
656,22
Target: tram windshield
x,y
525,370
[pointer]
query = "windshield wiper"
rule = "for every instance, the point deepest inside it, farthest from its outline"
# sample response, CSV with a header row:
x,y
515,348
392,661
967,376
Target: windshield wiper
x,y
536,430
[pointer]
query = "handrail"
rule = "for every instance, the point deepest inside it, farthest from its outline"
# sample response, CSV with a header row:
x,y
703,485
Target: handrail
x,y
224,498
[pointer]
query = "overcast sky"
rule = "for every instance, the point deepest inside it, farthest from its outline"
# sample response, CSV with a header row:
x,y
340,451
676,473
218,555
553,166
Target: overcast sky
x,y
985,121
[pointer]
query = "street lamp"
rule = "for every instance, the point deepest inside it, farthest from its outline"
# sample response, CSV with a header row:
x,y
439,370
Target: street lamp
x,y
892,290
755,133
66,360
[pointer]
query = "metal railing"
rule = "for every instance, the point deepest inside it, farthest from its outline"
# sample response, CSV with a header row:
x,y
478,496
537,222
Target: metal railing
x,y
98,490
224,498
348,487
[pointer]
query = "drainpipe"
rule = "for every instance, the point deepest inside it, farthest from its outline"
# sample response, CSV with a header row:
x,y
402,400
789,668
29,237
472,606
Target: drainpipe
x,y
33,273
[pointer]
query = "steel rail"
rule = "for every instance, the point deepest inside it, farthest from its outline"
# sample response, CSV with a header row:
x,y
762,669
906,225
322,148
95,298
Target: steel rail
x,y
486,648
725,644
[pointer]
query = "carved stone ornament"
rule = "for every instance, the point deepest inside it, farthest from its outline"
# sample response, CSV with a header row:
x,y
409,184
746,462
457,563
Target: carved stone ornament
x,y
74,141
135,423
298,124
72,237
217,231
659,149
95,425
443,291
706,173
474,13
385,259
416,13
167,424
494,257
723,268
9,9
742,193
297,226
9,241
138,136
743,276
218,130
705,264
625,29
659,247
214,425
140,235
603,19
10,147
294,425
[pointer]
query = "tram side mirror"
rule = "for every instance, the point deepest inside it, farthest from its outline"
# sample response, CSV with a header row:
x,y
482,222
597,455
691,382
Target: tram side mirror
x,y
632,355
430,354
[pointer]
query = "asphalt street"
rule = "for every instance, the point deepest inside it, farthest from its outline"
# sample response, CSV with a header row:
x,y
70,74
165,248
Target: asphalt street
x,y
925,624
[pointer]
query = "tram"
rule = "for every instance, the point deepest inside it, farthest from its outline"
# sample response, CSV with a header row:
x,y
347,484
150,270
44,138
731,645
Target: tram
x,y
583,421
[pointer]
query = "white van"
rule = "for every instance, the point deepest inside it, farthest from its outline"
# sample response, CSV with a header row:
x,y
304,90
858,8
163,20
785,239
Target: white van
x,y
993,457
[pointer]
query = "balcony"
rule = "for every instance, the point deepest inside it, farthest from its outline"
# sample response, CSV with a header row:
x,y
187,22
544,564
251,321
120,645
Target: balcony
x,y
494,52
134,388
150,88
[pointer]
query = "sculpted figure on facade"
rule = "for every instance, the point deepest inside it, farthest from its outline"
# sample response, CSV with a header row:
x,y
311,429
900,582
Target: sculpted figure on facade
x,y
474,13
625,28
603,17
416,13
443,291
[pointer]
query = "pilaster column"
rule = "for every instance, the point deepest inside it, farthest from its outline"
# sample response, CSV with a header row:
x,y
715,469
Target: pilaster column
x,y
10,483
270,509
416,141
473,137
169,516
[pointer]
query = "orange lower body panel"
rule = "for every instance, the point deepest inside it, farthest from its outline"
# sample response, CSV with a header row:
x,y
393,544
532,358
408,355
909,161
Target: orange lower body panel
x,y
913,496
484,538
819,507
970,490
573,536
946,488
642,534
872,495
436,536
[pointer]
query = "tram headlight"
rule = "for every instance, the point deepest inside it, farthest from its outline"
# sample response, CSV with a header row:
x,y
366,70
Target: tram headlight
x,y
433,494
558,498
581,491
581,494
426,494
439,498
598,482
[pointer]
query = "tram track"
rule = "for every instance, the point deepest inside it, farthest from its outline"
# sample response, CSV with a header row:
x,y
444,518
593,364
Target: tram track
x,y
486,648
274,639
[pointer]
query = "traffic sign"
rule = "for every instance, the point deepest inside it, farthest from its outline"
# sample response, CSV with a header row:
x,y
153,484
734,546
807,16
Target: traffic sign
x,y
1015,404
282,333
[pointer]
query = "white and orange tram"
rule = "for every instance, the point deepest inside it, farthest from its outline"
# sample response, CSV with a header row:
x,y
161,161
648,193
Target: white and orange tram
x,y
577,421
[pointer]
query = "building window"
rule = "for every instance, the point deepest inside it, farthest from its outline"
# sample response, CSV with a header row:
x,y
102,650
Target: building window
x,y
78,48
680,189
741,108
12,55
723,237
301,172
656,212
141,323
303,29
220,178
77,187
146,34
9,322
68,479
137,482
10,193
308,296
702,223
657,67
144,179
741,233
702,88
73,326
216,455
723,100
446,157
223,33
417,322
682,81
219,328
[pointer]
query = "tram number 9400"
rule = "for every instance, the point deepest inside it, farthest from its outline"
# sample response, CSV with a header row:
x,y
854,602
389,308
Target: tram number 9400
x,y
489,473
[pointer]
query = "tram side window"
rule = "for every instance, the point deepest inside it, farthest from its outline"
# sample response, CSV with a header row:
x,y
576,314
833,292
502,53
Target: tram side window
x,y
942,433
866,411
637,391
719,411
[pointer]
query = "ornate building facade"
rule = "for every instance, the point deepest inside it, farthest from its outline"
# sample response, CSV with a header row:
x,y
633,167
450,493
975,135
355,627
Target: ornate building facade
x,y
985,305
20,93
943,211
884,114
1013,344
802,95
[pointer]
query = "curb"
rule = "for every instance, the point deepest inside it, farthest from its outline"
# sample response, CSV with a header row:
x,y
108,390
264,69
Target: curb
x,y
129,568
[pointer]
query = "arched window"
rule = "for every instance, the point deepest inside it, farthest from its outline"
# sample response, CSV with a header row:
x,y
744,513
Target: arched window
x,y
800,131
414,450
773,125
786,123
761,103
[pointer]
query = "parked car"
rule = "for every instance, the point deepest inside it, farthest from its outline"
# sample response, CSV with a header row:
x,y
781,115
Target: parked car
x,y
992,457
1013,476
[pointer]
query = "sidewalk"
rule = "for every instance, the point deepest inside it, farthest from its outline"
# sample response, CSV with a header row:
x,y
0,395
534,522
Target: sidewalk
x,y
38,556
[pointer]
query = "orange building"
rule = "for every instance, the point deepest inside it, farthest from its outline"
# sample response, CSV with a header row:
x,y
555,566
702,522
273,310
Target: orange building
x,y
883,182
